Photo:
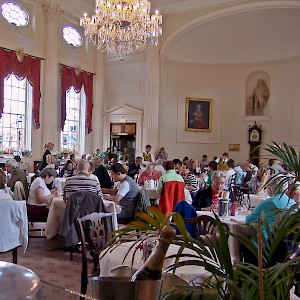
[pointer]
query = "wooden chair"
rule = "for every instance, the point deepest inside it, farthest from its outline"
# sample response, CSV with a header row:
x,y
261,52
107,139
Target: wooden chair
x,y
93,237
205,225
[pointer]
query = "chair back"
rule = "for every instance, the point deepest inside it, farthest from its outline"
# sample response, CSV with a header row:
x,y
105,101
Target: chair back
x,y
143,202
93,237
205,225
187,212
19,191
79,204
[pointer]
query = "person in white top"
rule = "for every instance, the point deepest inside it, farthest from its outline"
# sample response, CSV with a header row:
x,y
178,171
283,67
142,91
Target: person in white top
x,y
39,194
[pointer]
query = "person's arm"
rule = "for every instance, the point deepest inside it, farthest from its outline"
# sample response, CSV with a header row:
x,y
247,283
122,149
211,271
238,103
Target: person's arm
x,y
264,179
40,198
123,190
109,191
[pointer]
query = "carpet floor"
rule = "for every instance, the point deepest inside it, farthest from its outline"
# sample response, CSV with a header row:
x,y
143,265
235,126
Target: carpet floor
x,y
53,266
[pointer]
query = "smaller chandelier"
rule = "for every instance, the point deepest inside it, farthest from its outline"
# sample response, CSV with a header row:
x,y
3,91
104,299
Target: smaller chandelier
x,y
122,26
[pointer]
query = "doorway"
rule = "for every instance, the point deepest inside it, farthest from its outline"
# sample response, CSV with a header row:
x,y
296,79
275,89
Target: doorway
x,y
123,135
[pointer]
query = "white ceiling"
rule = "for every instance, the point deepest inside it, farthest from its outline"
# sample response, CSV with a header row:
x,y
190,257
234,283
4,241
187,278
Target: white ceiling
x,y
244,37
251,36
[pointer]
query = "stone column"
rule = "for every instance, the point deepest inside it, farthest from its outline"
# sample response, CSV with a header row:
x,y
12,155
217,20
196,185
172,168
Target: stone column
x,y
50,120
98,102
151,104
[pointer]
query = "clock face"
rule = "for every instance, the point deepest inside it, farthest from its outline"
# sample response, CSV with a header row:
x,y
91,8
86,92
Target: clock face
x,y
254,136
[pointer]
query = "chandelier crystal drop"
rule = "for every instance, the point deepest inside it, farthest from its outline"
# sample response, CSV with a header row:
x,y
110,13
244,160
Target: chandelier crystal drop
x,y
122,26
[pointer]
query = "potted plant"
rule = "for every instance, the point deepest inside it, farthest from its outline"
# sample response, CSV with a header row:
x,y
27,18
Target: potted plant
x,y
227,280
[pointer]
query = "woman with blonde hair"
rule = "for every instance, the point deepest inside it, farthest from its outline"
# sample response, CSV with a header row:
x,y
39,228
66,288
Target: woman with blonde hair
x,y
48,148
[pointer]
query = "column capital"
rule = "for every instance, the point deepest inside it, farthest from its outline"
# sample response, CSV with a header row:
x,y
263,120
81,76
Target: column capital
x,y
52,10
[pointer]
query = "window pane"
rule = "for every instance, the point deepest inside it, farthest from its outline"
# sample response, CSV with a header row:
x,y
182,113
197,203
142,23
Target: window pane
x,y
70,135
13,121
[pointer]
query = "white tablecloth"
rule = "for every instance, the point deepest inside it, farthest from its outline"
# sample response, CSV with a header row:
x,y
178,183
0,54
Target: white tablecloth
x,y
56,213
13,225
233,223
114,259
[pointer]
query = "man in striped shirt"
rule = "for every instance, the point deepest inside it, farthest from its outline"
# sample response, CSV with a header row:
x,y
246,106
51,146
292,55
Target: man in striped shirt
x,y
82,181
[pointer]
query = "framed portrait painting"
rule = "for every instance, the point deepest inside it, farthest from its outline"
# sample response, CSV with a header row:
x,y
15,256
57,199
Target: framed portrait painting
x,y
198,114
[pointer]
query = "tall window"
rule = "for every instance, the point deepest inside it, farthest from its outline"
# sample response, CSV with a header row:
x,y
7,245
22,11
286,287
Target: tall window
x,y
15,124
72,137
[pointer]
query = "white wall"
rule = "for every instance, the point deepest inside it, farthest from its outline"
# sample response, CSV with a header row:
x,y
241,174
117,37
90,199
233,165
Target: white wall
x,y
234,127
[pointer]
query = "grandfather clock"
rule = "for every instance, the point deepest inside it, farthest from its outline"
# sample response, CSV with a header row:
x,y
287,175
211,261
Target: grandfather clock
x,y
254,140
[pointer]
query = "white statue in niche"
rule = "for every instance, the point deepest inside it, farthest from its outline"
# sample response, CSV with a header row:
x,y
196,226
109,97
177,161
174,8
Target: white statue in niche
x,y
258,100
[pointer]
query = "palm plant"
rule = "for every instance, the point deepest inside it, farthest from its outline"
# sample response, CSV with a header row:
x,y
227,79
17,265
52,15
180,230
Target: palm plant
x,y
268,279
290,158
227,281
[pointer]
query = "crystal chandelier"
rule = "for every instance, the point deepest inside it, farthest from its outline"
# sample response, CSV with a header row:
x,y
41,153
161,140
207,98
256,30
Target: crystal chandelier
x,y
122,26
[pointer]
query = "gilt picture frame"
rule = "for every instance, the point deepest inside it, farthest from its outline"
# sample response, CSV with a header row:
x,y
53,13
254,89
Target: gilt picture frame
x,y
198,114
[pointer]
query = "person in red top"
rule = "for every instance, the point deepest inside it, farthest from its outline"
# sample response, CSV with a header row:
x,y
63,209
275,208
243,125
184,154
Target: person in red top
x,y
208,199
148,174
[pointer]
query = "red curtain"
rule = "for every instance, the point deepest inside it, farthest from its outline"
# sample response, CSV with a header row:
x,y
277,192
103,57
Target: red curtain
x,y
69,79
29,67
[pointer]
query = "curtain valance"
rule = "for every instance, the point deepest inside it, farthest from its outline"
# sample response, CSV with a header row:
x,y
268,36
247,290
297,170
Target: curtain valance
x,y
29,67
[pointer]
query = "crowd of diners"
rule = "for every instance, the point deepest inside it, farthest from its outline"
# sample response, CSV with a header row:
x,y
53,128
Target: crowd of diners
x,y
118,175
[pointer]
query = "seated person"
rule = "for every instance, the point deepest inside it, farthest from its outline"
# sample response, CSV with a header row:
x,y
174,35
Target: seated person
x,y
159,167
177,165
207,199
229,173
148,174
101,173
65,158
270,206
67,170
212,166
39,194
170,187
126,195
135,167
16,174
190,180
21,165
123,162
82,181
3,195
239,180
263,176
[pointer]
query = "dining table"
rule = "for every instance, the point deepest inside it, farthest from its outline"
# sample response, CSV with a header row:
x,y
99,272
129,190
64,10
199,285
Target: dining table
x,y
56,212
124,255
